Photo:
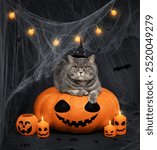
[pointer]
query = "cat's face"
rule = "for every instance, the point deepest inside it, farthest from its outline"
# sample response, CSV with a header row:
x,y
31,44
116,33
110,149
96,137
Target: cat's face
x,y
83,69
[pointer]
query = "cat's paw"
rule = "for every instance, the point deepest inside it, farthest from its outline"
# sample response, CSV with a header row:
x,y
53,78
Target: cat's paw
x,y
85,92
92,97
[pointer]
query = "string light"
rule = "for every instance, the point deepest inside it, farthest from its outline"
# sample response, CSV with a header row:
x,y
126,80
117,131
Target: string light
x,y
31,32
12,15
56,42
77,39
114,12
98,31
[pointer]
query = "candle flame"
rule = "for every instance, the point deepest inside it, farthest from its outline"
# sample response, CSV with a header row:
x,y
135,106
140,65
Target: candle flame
x,y
109,122
42,118
120,113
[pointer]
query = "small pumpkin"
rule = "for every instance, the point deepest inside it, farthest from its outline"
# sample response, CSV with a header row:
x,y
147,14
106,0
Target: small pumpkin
x,y
26,124
68,113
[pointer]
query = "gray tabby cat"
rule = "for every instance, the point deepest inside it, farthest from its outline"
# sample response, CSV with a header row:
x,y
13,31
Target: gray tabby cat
x,y
78,76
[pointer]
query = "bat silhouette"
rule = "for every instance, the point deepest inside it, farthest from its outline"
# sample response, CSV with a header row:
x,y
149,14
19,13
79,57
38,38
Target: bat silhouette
x,y
126,66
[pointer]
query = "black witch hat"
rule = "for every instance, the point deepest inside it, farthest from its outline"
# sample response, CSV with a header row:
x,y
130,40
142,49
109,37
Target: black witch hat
x,y
79,53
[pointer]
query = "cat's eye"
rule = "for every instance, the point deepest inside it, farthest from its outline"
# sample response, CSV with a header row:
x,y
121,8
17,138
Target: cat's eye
x,y
87,67
74,66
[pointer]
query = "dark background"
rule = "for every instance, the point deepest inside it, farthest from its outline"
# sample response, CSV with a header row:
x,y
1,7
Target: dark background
x,y
22,78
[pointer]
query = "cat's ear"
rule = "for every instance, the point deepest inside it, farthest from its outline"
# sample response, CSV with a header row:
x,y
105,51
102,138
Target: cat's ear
x,y
91,58
71,59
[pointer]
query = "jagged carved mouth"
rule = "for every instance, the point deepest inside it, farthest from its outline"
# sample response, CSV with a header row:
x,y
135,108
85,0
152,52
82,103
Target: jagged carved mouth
x,y
118,130
77,124
109,134
25,131
43,134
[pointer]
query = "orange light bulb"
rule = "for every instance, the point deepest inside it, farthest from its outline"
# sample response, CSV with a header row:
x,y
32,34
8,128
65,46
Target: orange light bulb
x,y
12,15
56,42
114,12
98,31
77,39
31,32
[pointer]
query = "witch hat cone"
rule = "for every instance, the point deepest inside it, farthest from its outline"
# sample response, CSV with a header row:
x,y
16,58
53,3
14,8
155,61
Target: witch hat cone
x,y
79,53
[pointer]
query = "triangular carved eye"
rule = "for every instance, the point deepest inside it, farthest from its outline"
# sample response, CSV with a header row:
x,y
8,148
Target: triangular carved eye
x,y
92,107
123,123
116,123
62,106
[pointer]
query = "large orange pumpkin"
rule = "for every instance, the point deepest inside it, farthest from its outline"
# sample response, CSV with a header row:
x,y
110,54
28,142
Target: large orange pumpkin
x,y
75,114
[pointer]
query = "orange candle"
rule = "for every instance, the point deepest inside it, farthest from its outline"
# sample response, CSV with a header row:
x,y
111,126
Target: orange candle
x,y
43,129
120,124
110,130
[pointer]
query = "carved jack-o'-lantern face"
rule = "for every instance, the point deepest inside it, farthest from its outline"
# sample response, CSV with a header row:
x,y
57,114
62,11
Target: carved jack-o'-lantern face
x,y
75,114
120,126
42,131
26,124
110,131
62,107
25,127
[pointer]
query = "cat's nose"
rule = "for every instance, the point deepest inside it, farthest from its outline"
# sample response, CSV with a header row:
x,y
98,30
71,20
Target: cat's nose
x,y
81,72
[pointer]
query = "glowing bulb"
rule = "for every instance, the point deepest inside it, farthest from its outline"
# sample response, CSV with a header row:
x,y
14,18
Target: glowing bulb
x,y
98,31
31,31
56,42
77,39
109,122
12,15
42,118
113,12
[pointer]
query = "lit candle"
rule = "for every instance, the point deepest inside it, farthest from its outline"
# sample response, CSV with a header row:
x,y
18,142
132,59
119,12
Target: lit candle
x,y
110,130
120,124
43,129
